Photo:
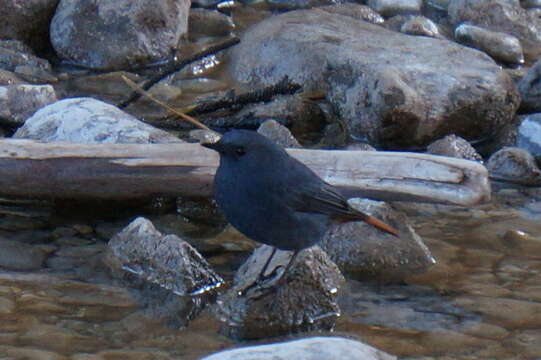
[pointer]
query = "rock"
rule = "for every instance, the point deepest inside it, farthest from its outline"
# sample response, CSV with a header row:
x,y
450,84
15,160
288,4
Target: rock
x,y
19,102
505,16
165,260
514,165
454,146
303,300
279,134
296,4
9,78
113,35
364,252
500,46
14,53
18,352
530,89
390,8
209,23
86,120
380,83
171,278
419,25
356,11
27,21
530,4
529,135
313,348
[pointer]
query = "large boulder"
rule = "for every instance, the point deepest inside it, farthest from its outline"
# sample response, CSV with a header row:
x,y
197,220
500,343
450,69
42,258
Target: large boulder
x,y
117,34
393,89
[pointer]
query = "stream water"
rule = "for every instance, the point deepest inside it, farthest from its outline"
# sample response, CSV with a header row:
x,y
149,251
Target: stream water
x,y
482,300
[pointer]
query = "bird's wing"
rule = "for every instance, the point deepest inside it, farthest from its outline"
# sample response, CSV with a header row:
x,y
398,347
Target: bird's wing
x,y
323,198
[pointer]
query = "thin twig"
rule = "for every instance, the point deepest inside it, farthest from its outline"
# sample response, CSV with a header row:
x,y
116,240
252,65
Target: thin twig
x,y
283,87
140,91
178,65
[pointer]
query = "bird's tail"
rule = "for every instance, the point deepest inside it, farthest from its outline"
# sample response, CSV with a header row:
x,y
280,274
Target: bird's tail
x,y
381,225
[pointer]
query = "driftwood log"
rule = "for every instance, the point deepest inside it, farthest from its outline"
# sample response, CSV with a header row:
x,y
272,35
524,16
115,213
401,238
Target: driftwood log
x,y
30,169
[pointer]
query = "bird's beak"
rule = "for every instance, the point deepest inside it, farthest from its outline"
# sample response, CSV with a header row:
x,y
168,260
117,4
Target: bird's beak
x,y
214,146
208,139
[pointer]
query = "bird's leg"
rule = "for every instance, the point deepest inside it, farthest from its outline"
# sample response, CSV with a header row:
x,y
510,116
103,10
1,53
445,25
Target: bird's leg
x,y
261,275
288,266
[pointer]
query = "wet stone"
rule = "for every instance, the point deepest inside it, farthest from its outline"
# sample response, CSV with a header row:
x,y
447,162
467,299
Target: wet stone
x,y
499,45
419,25
303,300
364,252
170,277
14,53
390,8
515,166
454,146
356,11
314,348
529,134
279,134
19,102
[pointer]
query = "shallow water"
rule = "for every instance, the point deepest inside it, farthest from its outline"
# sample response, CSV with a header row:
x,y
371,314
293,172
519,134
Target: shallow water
x,y
482,300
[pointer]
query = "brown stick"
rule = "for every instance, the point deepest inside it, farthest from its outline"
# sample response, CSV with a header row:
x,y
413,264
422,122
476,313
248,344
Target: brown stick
x,y
30,169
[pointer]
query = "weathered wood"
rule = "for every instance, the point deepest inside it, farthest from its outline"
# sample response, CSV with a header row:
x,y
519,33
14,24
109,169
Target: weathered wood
x,y
31,169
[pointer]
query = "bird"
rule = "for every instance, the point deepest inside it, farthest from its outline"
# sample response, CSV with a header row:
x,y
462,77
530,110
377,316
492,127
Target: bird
x,y
275,199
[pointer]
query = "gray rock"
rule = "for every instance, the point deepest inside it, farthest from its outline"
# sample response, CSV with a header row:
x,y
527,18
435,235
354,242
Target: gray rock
x,y
170,278
454,146
19,102
529,88
86,120
314,348
515,166
27,21
14,53
356,11
165,260
381,83
529,135
390,8
530,4
9,78
279,134
18,256
209,23
419,25
364,252
499,45
439,4
296,4
102,34
505,16
303,300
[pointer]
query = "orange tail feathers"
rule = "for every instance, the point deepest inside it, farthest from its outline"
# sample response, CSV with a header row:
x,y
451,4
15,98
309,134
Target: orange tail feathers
x,y
381,225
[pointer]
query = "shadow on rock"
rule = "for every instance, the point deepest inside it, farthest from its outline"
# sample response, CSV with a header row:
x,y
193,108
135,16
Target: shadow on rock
x,y
304,299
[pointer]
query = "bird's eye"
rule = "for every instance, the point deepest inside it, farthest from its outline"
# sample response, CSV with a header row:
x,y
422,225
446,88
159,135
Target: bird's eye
x,y
240,151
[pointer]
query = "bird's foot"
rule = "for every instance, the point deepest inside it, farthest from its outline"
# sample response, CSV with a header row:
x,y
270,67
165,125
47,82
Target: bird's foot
x,y
265,283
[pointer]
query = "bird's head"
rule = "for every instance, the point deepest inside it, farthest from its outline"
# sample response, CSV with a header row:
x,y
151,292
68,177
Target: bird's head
x,y
237,144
